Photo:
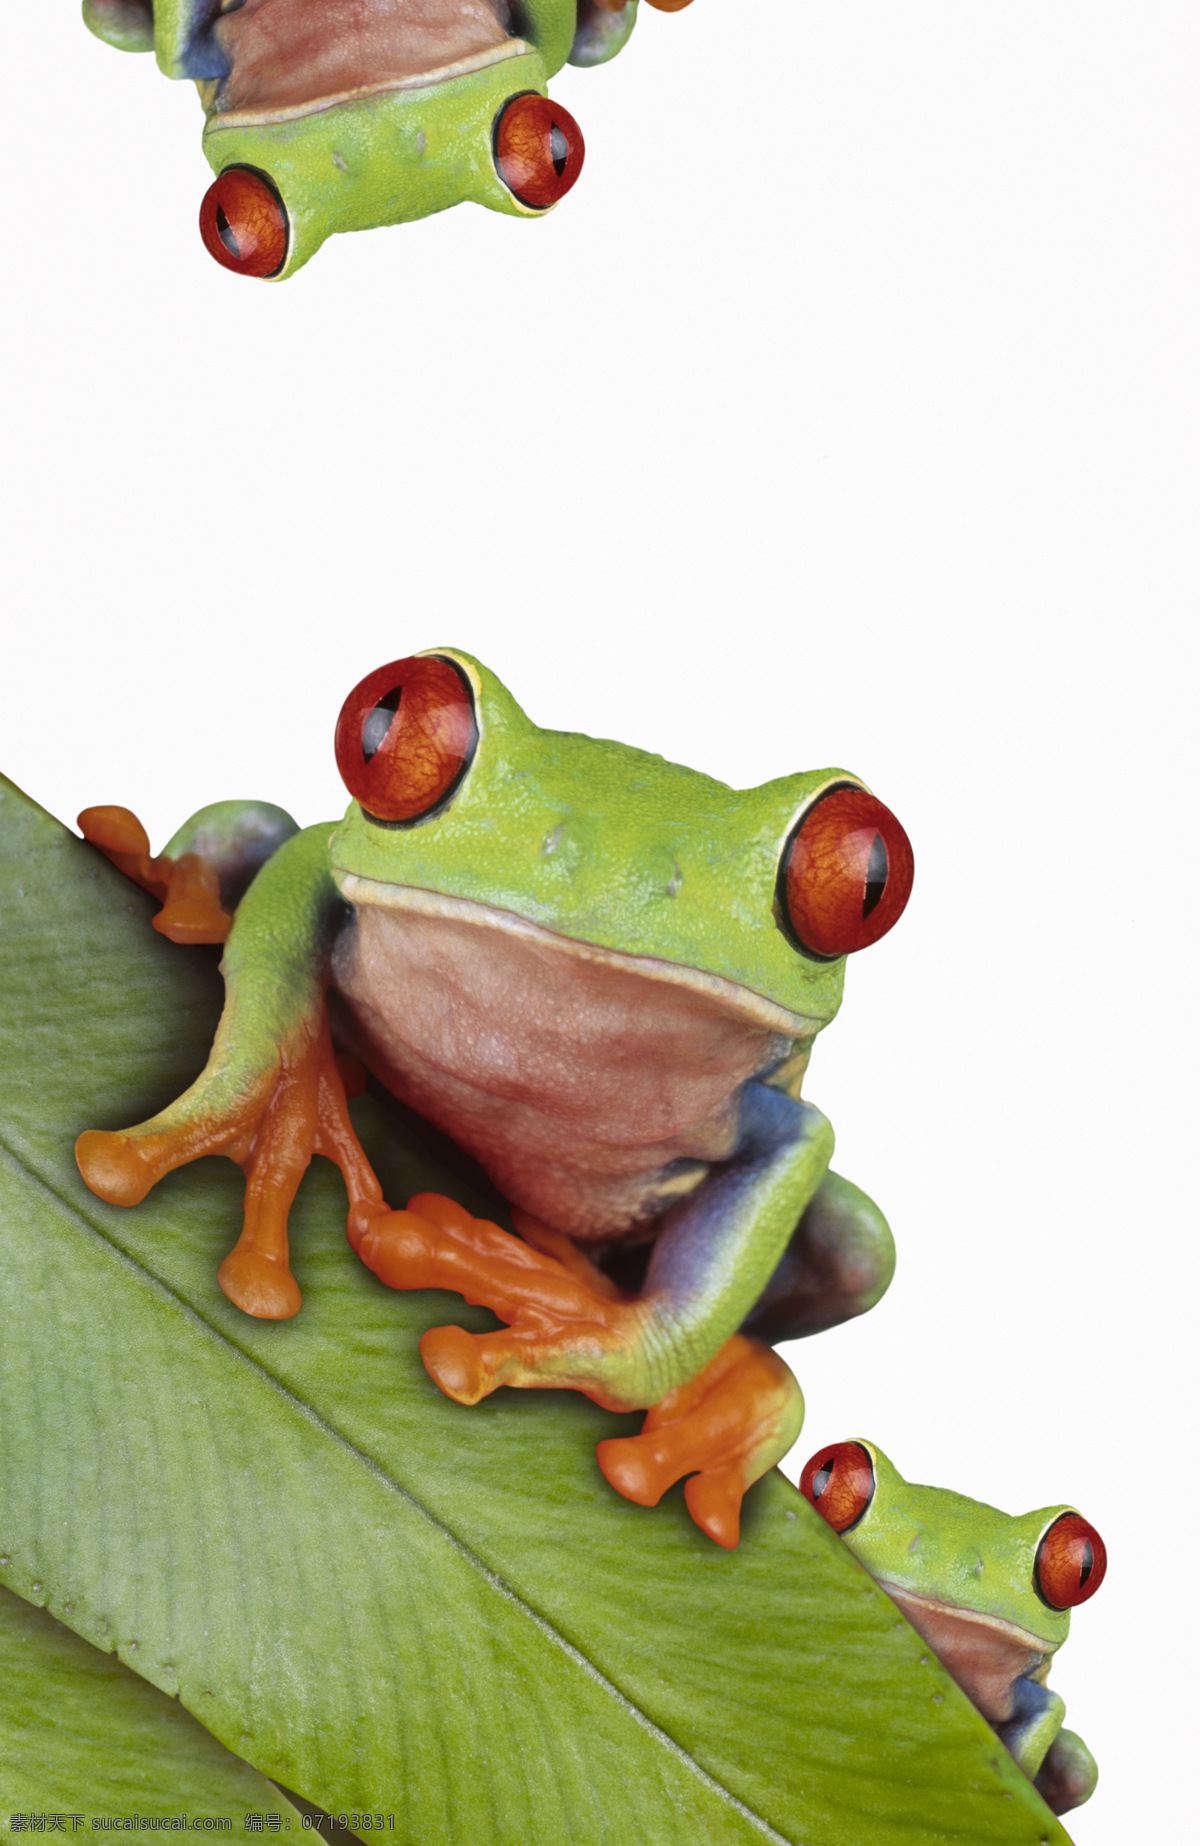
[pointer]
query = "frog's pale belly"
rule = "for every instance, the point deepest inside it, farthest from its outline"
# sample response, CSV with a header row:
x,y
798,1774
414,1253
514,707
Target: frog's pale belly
x,y
592,1095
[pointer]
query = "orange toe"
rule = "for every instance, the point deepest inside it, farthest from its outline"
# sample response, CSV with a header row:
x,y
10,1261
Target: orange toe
x,y
259,1286
447,1214
190,919
634,1467
114,829
715,1502
360,1218
451,1357
402,1248
114,1167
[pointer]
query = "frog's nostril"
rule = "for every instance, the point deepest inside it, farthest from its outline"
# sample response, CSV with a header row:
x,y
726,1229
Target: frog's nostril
x,y
244,224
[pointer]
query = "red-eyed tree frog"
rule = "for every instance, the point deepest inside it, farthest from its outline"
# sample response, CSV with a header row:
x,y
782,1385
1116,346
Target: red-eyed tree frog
x,y
602,974
338,115
991,1595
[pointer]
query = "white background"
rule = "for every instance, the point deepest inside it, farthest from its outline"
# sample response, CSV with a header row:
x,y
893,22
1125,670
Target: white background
x,y
843,414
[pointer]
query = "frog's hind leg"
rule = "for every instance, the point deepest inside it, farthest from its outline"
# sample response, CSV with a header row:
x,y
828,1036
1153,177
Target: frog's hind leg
x,y
724,1429
1068,1776
203,871
126,24
838,1263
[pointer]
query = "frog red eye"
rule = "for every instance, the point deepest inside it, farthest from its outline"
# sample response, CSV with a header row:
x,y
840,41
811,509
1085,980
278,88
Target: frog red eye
x,y
845,874
1071,1562
243,223
840,1482
406,736
538,150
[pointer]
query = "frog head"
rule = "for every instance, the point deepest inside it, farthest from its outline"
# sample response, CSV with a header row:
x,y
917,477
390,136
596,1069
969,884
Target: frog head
x,y
754,895
337,115
992,1594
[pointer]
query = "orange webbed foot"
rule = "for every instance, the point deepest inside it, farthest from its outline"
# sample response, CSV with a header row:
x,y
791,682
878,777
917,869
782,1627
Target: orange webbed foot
x,y
570,1326
565,1320
188,886
271,1124
725,1428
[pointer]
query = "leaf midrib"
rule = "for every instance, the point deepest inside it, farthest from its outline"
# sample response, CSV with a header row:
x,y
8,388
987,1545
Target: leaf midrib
x,y
29,1175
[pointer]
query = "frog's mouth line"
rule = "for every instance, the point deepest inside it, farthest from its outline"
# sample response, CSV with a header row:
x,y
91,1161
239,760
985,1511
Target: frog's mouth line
x,y
754,1007
462,67
983,1653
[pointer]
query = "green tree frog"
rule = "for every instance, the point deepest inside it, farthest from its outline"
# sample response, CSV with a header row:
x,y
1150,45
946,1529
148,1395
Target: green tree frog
x,y
602,974
991,1595
337,115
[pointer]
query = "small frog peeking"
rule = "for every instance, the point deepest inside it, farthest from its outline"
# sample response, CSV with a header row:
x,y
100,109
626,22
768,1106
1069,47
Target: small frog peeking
x,y
339,115
602,975
991,1595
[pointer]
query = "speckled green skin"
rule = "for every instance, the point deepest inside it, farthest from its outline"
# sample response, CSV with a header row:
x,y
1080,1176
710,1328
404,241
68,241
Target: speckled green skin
x,y
592,839
959,1551
970,1556
379,160
610,845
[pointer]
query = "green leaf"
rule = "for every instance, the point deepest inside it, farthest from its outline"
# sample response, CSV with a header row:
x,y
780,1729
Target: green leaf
x,y
81,1733
379,1598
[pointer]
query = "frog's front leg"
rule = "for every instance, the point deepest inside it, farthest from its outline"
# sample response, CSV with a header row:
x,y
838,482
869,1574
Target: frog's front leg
x,y
271,1094
1036,1721
1057,1762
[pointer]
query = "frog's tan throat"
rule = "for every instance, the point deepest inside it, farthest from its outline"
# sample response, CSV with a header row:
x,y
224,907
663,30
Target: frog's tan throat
x,y
742,1002
983,1653
595,1087
292,58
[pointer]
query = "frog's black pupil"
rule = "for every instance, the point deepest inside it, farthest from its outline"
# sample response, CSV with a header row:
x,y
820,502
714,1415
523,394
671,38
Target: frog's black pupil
x,y
822,1478
225,233
1089,1559
378,723
560,151
877,873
